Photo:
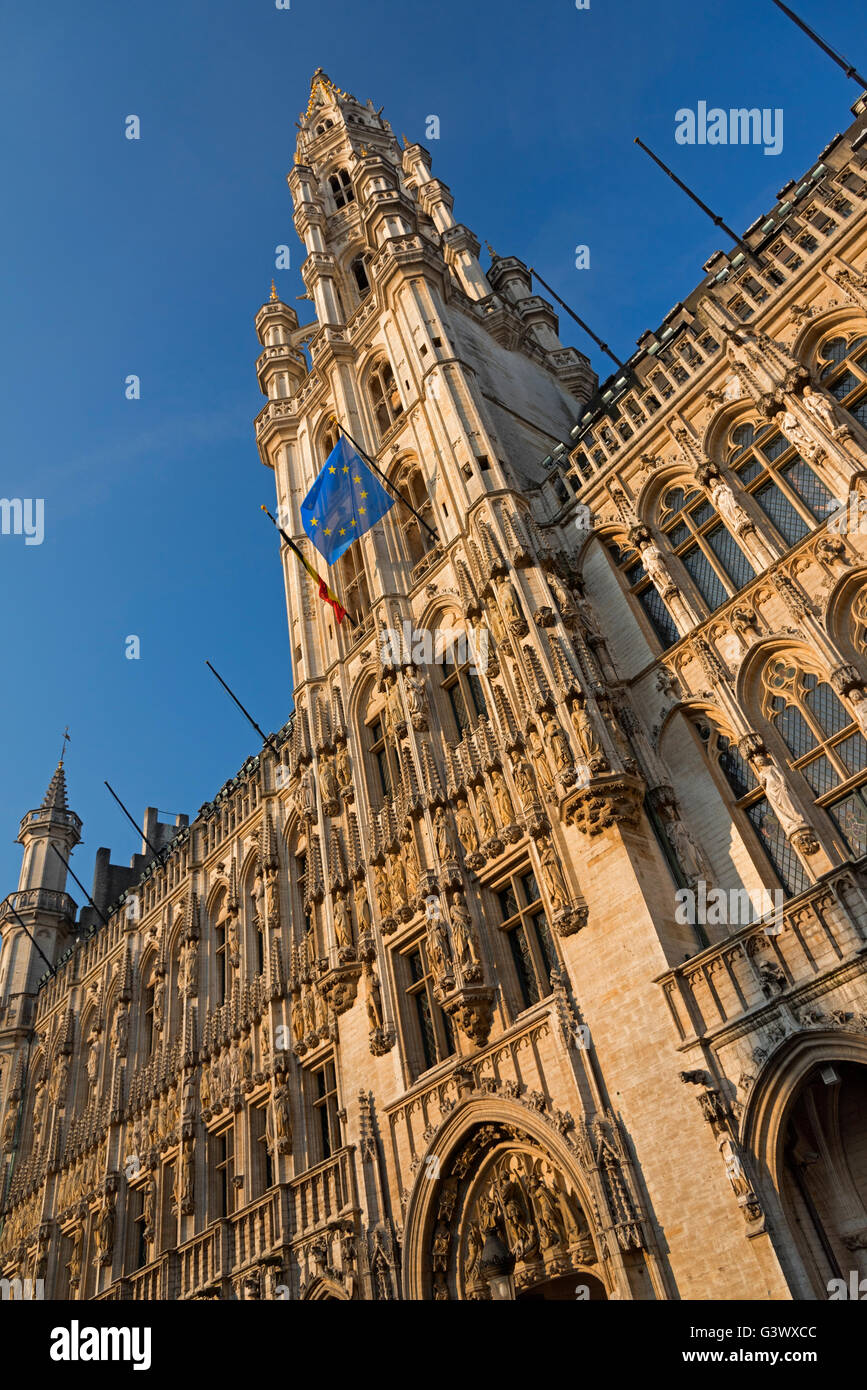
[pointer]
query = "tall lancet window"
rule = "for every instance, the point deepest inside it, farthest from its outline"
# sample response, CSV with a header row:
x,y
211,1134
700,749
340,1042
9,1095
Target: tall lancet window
x,y
384,396
786,488
705,547
417,541
629,562
353,592
844,373
824,742
359,275
341,188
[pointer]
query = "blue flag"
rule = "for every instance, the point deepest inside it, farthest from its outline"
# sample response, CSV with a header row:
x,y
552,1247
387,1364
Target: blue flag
x,y
344,502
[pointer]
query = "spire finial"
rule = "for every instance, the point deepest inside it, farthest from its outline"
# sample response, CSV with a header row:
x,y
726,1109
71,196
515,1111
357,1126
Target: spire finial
x,y
493,254
66,739
405,141
273,292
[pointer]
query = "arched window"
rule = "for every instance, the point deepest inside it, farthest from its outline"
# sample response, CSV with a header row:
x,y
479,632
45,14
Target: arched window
x,y
353,592
749,798
381,750
825,743
417,541
327,440
341,188
462,692
384,397
628,561
221,955
705,547
844,373
785,487
359,275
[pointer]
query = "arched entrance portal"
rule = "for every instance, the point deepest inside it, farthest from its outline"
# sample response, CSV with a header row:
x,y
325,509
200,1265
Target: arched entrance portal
x,y
824,1179
498,1175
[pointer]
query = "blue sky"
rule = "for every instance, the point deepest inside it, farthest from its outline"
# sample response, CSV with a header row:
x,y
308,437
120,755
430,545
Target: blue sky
x,y
152,257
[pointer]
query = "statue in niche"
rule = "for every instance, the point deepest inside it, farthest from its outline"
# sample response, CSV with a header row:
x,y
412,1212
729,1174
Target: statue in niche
x,y
511,607
94,1053
307,795
563,599
438,949
466,827
523,779
344,772
799,435
362,909
558,743
586,734
823,409
297,1019
383,895
445,840
374,1001
397,881
328,781
540,763
553,876
502,799
463,935
484,815
342,922
656,567
415,694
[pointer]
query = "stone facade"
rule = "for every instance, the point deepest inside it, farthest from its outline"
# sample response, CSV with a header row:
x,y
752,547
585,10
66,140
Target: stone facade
x,y
555,930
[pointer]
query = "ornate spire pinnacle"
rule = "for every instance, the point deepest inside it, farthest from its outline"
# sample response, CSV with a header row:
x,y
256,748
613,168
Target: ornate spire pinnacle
x,y
274,294
55,798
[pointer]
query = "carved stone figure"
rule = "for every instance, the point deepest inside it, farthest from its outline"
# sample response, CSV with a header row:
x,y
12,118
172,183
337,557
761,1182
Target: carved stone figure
x,y
297,1019
656,567
149,1206
822,408
777,792
344,772
40,1102
586,733
282,1115
553,876
362,909
439,952
272,897
565,604
246,1050
310,1008
307,795
523,779
463,935
445,840
727,505
690,856
397,881
496,621
105,1231
540,763
799,435
511,607
383,895
502,799
484,815
120,1032
466,827
558,743
328,781
374,1001
415,694
94,1055
342,922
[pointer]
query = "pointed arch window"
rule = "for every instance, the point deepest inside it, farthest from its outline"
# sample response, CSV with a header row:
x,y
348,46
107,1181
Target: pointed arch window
x,y
382,757
789,492
843,372
327,440
417,542
221,958
358,267
341,188
628,561
748,798
705,547
824,742
353,591
462,692
384,396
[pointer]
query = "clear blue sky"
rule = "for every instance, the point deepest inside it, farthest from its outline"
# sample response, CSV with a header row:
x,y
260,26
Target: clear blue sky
x,y
152,258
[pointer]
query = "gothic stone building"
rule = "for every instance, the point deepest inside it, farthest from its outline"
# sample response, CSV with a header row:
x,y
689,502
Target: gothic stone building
x,y
560,932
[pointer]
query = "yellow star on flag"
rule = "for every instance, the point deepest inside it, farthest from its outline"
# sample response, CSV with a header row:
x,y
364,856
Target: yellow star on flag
x,y
346,468
327,531
332,469
357,478
313,521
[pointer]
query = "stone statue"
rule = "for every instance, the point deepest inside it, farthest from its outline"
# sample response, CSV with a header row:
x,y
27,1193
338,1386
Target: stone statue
x,y
496,621
246,1057
558,744
586,733
328,781
94,1054
463,935
415,693
445,840
484,815
821,408
383,895
777,792
523,779
511,607
466,827
282,1114
362,909
540,763
690,856
120,1032
565,605
342,922
307,795
553,876
297,1019
149,1205
374,1002
272,897
798,435
438,947
732,513
397,881
656,567
502,799
344,773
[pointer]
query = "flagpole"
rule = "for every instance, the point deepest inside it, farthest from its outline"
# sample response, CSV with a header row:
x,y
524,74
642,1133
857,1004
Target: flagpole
x,y
292,546
399,495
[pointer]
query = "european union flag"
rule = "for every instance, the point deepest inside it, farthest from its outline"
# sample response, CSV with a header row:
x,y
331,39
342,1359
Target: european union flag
x,y
344,502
